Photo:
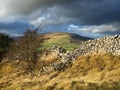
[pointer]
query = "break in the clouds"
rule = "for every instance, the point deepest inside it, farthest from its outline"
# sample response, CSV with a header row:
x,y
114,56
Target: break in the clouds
x,y
95,30
91,17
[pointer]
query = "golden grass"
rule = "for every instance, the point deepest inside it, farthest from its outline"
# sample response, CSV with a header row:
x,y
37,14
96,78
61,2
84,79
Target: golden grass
x,y
91,72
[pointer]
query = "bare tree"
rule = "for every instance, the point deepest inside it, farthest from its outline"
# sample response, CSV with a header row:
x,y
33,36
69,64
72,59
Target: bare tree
x,y
25,48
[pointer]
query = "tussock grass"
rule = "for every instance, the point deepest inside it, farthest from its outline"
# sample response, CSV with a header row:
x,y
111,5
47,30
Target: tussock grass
x,y
91,72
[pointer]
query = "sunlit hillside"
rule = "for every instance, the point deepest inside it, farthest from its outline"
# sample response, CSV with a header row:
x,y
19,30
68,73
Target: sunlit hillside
x,y
91,72
67,40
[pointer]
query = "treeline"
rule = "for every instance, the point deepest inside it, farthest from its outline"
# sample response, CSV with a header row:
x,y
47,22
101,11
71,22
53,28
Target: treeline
x,y
5,41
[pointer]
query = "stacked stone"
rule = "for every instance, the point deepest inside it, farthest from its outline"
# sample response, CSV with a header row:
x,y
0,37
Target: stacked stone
x,y
110,44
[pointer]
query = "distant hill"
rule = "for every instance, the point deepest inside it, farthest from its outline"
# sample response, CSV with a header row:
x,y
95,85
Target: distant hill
x,y
66,40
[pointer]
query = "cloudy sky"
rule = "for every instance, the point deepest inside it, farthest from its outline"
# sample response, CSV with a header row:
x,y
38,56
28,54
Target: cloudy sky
x,y
92,18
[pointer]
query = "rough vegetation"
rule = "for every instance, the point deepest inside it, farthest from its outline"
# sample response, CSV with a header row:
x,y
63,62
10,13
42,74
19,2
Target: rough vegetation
x,y
5,41
90,65
91,72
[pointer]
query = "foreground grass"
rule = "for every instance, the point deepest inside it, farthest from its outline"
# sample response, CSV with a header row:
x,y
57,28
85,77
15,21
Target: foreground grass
x,y
91,72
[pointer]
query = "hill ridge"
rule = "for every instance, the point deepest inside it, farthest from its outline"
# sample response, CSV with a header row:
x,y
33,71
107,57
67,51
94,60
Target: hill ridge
x,y
65,40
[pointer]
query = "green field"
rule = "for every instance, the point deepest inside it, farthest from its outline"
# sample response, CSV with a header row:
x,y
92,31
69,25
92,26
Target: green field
x,y
65,40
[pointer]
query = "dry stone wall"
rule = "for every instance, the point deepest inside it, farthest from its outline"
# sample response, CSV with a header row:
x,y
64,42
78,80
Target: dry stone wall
x,y
110,44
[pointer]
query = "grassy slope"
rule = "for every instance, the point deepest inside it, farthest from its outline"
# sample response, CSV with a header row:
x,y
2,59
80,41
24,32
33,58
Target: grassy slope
x,y
92,72
66,40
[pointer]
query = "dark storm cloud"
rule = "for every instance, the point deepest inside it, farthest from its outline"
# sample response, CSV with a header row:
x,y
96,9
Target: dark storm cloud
x,y
95,11
12,25
102,14
28,6
83,11
13,28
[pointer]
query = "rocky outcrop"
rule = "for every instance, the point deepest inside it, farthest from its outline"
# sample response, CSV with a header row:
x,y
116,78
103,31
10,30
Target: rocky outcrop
x,y
109,44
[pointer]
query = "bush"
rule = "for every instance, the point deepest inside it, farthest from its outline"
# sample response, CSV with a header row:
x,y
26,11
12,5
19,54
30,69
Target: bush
x,y
5,41
25,48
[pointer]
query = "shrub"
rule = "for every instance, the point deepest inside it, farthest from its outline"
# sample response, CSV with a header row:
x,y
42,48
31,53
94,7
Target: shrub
x,y
25,48
5,41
